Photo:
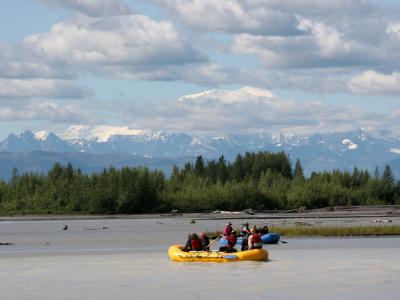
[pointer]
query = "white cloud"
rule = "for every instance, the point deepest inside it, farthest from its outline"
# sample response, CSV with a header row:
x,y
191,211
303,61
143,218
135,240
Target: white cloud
x,y
261,17
232,16
44,111
93,7
373,83
333,38
48,88
21,62
320,46
300,33
314,6
125,46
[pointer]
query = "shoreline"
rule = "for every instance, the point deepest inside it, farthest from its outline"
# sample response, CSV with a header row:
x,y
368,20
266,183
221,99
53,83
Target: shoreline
x,y
352,212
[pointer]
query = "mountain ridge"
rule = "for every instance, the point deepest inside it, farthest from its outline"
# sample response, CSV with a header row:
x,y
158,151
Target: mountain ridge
x,y
317,152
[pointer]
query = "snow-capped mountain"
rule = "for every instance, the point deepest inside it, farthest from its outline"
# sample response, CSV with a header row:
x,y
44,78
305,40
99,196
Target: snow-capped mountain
x,y
316,152
41,141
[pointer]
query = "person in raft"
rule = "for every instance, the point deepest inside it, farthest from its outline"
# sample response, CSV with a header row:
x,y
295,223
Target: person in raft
x,y
232,239
188,245
245,230
193,243
254,241
264,230
205,241
227,230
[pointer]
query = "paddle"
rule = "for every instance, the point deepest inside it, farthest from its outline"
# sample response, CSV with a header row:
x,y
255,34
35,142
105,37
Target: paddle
x,y
212,242
230,256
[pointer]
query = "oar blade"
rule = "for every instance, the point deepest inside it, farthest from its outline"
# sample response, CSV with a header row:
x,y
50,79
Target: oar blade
x,y
230,256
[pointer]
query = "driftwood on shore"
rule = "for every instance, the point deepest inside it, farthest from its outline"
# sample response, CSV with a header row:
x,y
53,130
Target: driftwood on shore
x,y
175,212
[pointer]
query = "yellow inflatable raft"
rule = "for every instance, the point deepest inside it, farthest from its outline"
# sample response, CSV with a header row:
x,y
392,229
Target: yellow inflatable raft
x,y
176,254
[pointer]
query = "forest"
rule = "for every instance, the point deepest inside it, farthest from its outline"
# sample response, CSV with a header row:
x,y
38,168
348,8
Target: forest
x,y
261,181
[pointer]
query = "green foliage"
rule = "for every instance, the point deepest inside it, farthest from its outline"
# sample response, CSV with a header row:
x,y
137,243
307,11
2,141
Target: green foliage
x,y
261,180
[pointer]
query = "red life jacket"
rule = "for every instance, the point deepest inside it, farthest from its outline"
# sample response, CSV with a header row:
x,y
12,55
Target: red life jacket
x,y
197,245
256,240
232,239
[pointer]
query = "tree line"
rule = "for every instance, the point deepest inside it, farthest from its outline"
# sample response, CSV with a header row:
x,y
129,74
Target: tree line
x,y
259,181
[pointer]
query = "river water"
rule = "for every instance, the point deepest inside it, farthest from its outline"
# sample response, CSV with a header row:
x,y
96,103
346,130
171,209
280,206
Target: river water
x,y
127,259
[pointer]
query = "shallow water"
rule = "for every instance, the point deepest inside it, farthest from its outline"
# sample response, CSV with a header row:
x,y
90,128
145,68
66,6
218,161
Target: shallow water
x,y
128,260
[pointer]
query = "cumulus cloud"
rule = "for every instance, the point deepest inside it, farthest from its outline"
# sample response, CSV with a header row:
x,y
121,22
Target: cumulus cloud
x,y
122,46
48,88
247,109
300,33
315,7
320,46
271,17
334,38
93,7
232,16
21,62
371,82
126,45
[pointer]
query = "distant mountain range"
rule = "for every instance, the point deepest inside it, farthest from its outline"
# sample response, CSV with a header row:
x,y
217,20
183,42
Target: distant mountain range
x,y
37,152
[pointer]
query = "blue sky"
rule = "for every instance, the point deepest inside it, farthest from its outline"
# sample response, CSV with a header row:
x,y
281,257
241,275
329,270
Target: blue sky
x,y
207,67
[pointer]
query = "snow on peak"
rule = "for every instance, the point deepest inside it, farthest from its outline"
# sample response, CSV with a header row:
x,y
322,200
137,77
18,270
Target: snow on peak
x,y
102,133
395,150
195,141
350,145
254,91
196,95
221,138
41,135
246,94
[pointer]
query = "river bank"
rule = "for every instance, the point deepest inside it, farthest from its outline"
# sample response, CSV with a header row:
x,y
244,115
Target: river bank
x,y
331,216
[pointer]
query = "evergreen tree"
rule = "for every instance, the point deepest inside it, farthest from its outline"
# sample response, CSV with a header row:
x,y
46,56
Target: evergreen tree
x,y
199,166
388,186
222,172
261,180
298,171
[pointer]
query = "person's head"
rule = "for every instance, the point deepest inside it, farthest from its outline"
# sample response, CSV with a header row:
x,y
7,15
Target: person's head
x,y
202,235
189,236
229,224
194,235
233,232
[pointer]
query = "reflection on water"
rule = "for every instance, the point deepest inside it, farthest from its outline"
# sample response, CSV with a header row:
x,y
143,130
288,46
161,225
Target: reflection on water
x,y
129,261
